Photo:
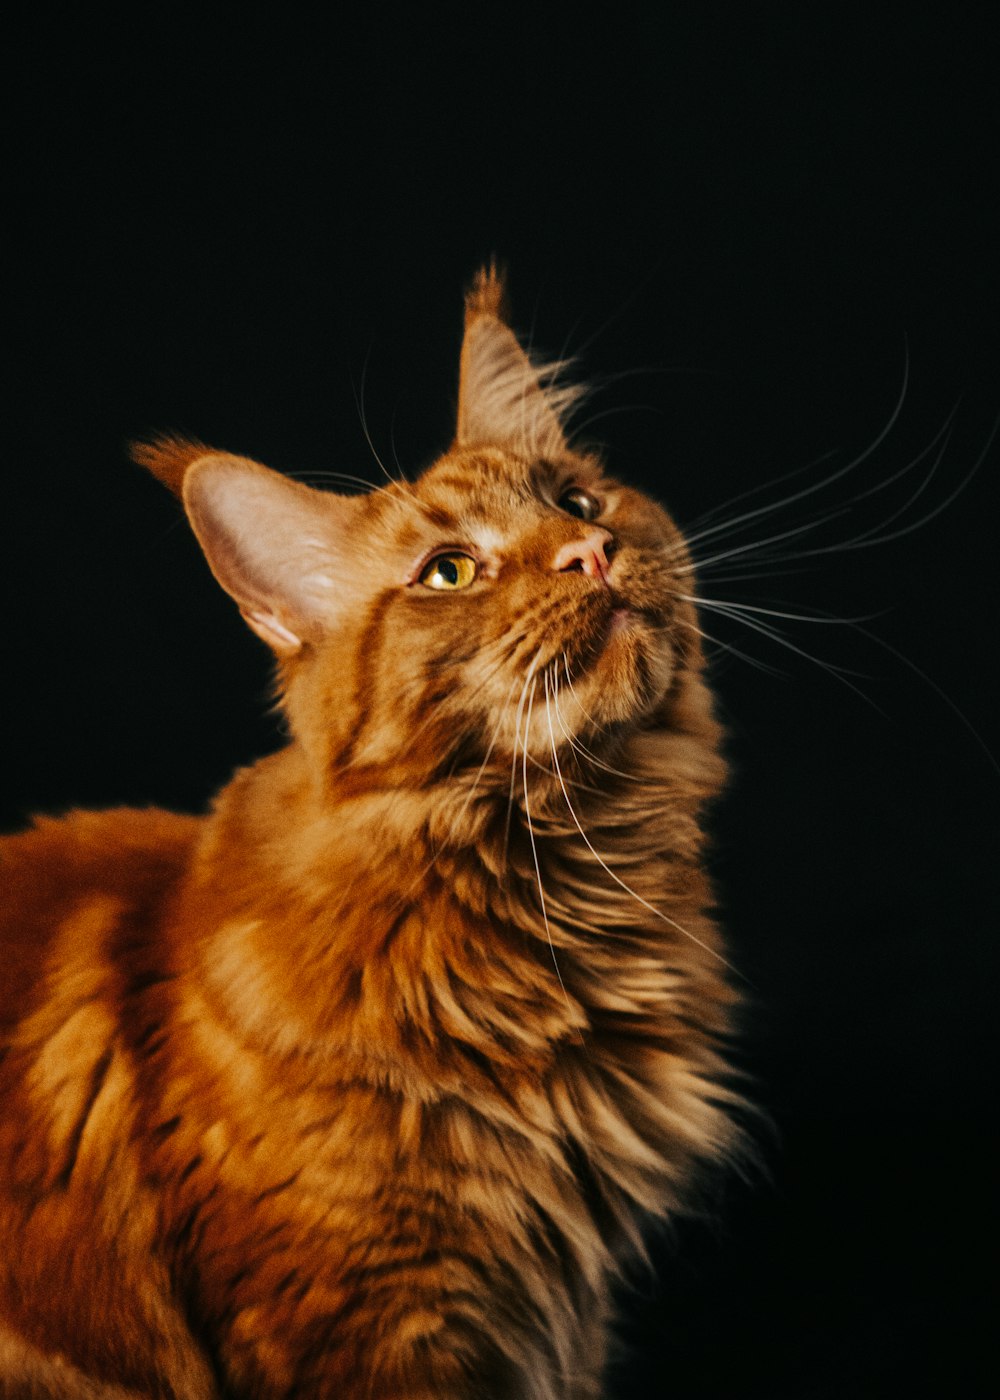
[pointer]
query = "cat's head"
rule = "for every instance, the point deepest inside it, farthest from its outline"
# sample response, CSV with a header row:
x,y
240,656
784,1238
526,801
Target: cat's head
x,y
514,593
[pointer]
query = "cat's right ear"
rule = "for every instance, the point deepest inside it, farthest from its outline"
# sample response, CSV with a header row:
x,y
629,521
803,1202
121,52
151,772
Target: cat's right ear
x,y
275,546
504,398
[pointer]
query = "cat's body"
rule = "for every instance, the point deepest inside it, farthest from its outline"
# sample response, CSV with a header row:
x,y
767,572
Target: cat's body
x,y
362,1084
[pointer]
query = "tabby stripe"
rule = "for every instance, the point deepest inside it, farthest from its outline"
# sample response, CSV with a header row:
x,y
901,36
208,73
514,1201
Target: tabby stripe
x,y
143,980
285,1282
166,1129
276,1189
386,1272
368,652
190,1230
98,1076
192,1166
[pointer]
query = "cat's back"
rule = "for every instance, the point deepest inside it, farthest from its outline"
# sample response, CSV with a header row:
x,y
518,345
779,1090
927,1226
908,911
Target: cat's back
x,y
86,871
83,900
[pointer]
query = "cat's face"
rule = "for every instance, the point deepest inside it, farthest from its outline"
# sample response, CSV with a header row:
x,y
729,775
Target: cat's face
x,y
509,600
523,599
512,599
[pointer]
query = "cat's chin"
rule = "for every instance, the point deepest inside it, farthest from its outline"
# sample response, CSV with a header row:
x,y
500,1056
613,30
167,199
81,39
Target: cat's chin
x,y
632,668
623,619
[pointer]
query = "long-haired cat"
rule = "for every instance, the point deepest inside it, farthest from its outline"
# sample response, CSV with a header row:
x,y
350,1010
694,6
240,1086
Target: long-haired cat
x,y
363,1084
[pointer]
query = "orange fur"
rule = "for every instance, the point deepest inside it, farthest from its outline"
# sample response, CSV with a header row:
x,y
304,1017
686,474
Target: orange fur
x,y
362,1085
168,457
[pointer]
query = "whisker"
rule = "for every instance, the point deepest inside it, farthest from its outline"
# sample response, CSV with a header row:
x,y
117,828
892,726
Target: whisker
x,y
513,761
616,315
401,474
577,743
713,511
752,575
942,694
774,612
751,545
531,836
770,507
736,524
359,399
489,750
618,881
600,728
613,412
865,542
875,534
319,476
840,673
728,646
943,432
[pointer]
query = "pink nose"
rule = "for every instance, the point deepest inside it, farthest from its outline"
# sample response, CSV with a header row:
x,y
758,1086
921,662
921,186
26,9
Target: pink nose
x,y
586,555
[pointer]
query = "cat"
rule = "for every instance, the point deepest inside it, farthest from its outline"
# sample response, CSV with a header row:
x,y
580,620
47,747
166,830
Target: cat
x,y
366,1083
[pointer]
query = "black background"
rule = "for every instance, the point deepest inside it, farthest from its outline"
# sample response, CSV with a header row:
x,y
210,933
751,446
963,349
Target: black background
x,y
747,223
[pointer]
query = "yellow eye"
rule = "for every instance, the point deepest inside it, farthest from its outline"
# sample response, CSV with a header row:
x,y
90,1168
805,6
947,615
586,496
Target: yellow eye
x,y
449,571
580,503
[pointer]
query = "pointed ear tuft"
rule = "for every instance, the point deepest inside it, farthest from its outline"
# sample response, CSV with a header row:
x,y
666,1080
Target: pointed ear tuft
x,y
504,399
488,294
168,456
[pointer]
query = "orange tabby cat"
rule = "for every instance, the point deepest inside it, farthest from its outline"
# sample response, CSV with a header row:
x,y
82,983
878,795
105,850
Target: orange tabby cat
x,y
362,1085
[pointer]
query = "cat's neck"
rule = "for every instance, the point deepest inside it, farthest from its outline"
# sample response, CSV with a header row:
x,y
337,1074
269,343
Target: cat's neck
x,y
336,919
328,927
287,824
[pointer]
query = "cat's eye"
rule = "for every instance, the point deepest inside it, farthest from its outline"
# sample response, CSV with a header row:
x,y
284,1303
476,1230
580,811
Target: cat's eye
x,y
580,503
448,571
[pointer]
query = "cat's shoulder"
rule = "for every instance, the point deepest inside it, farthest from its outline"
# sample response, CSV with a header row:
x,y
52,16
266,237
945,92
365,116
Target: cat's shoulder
x,y
85,867
108,849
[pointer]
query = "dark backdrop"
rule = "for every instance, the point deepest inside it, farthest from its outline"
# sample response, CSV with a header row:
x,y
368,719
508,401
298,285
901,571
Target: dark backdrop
x,y
754,226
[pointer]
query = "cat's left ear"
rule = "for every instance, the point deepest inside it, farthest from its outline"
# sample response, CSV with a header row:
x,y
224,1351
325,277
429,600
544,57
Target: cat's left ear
x,y
277,547
504,400
281,550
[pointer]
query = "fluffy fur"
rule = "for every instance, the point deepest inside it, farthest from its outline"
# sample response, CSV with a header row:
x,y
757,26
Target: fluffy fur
x,y
363,1084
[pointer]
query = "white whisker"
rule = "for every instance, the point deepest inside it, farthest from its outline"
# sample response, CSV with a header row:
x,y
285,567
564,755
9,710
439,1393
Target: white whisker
x,y
489,750
345,477
866,541
876,534
770,507
600,728
577,744
531,836
752,545
774,612
840,673
359,399
942,694
513,761
728,646
617,879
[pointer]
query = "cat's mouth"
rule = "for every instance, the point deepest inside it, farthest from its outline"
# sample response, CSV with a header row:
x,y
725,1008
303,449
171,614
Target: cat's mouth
x,y
623,660
625,618
624,627
621,619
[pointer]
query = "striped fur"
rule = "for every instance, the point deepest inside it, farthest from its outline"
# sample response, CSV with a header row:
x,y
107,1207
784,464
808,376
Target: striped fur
x,y
363,1085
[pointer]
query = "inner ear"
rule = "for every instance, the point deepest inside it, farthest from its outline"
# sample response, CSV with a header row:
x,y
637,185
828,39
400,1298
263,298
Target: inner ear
x,y
278,548
504,399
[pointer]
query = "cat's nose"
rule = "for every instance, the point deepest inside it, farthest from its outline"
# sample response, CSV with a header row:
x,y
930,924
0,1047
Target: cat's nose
x,y
588,555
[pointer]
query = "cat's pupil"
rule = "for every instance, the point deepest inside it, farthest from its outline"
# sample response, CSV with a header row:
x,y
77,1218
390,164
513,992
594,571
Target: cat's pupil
x,y
579,503
449,571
